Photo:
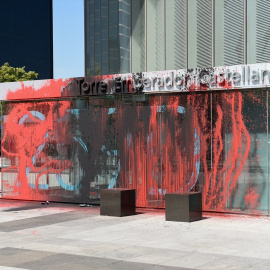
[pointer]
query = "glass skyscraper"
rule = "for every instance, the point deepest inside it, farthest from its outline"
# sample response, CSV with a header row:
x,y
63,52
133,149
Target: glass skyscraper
x,y
108,31
148,35
26,35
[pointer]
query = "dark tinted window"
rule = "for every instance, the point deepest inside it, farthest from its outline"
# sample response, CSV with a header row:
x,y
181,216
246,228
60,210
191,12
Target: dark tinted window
x,y
26,35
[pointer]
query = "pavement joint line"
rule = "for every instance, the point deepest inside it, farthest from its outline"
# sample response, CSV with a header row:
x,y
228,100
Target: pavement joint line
x,y
252,230
114,261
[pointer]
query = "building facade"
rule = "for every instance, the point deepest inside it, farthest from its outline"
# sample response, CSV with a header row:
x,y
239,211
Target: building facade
x,y
173,130
177,34
107,37
26,35
158,132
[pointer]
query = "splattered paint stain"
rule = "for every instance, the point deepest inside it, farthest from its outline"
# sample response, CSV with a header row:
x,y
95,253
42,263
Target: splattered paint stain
x,y
68,150
33,132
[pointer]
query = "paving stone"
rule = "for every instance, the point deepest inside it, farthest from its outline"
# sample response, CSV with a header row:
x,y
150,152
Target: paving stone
x,y
64,261
162,267
232,262
193,260
69,237
22,256
37,221
7,251
122,265
10,268
264,265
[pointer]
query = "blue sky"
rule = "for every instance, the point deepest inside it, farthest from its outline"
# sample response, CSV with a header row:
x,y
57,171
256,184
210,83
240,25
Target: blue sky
x,y
68,38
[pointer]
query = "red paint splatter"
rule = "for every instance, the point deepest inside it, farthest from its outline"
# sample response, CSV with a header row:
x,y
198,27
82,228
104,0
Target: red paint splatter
x,y
161,157
25,143
252,198
39,89
156,145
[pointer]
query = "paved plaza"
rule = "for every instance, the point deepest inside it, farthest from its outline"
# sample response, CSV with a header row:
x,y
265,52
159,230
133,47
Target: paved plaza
x,y
67,236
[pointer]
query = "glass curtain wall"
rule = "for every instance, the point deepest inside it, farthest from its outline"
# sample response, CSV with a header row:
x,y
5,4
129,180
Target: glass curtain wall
x,y
239,173
199,33
37,150
89,38
107,29
113,58
124,35
1,115
104,38
150,35
258,34
68,150
27,35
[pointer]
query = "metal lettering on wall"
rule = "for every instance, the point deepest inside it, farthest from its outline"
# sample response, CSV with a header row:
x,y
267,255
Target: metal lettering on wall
x,y
200,79
68,150
172,81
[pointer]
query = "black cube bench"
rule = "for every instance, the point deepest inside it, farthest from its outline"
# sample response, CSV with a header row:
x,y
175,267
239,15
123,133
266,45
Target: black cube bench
x,y
117,202
184,207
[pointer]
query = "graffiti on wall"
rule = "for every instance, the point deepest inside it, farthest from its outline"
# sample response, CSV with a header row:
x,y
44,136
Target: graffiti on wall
x,y
69,149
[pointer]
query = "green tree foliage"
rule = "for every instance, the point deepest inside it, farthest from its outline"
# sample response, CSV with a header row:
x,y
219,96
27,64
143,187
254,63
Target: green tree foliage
x,y
11,74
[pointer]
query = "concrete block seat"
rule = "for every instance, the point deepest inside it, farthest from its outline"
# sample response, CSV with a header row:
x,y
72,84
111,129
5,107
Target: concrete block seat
x,y
185,207
117,202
